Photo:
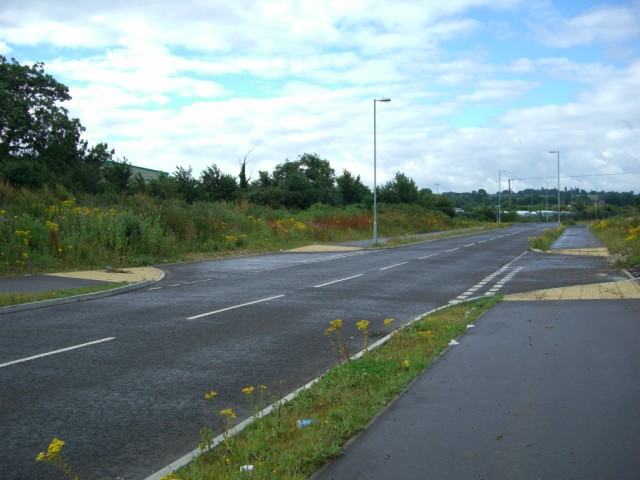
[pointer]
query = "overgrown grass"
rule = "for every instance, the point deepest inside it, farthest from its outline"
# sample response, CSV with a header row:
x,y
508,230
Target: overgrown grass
x,y
545,241
7,299
622,237
53,231
339,405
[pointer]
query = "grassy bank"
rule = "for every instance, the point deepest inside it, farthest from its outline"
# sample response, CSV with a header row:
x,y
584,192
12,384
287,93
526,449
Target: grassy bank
x,y
52,231
621,235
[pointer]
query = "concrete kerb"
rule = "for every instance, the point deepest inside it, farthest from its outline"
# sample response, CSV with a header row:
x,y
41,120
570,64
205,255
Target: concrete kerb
x,y
192,455
79,298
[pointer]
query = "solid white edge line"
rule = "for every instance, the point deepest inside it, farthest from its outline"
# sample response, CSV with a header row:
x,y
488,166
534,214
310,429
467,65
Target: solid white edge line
x,y
336,281
234,307
392,266
55,352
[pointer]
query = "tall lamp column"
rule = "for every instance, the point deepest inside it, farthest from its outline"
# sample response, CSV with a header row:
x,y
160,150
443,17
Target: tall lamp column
x,y
500,172
557,152
375,185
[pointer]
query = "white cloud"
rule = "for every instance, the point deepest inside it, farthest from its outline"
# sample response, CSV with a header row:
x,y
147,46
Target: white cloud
x,y
198,83
606,24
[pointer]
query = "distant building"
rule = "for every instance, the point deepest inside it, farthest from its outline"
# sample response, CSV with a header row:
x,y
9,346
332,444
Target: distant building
x,y
147,174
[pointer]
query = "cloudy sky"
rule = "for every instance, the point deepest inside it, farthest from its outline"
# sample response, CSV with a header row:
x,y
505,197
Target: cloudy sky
x,y
476,86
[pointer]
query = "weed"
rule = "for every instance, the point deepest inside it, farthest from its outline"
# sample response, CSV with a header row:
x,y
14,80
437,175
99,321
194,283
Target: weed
x,y
544,241
55,456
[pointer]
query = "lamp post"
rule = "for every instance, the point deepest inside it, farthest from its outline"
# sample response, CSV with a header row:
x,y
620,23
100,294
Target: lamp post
x,y
375,186
546,207
557,152
500,172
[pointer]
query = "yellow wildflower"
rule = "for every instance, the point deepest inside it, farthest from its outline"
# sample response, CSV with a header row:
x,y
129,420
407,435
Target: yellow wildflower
x,y
248,390
52,226
53,451
362,325
388,322
210,395
228,412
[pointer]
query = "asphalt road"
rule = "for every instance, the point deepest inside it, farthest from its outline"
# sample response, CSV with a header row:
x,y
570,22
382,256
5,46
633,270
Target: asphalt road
x,y
133,402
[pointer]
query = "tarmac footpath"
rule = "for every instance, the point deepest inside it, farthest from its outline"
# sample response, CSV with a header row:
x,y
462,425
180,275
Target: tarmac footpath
x,y
535,390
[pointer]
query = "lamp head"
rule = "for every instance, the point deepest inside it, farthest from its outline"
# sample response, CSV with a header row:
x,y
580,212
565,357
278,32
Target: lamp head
x,y
383,100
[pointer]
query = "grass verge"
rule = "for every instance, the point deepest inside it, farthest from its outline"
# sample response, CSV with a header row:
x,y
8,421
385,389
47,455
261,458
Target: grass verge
x,y
545,241
338,406
8,299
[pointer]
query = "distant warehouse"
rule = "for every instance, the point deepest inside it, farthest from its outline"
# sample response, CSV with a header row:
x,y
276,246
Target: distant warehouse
x,y
147,174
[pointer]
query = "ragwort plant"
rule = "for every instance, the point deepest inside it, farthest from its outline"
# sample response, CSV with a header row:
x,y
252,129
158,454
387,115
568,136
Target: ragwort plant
x,y
622,238
55,456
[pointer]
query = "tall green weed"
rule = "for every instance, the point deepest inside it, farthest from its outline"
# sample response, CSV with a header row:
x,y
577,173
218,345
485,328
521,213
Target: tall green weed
x,y
53,231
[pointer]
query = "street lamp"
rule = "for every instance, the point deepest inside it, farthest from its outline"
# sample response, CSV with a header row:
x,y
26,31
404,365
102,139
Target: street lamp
x,y
375,186
546,207
500,172
558,153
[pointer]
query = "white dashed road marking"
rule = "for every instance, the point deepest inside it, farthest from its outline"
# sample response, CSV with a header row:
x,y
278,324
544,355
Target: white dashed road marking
x,y
234,307
336,281
55,352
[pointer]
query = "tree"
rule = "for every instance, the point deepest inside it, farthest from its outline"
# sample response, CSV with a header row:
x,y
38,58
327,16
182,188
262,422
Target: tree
x,y
163,186
34,129
242,177
305,181
351,189
187,185
217,185
117,175
401,189
88,175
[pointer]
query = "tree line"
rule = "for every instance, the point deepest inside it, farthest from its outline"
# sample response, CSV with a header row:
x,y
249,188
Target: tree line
x,y
40,145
